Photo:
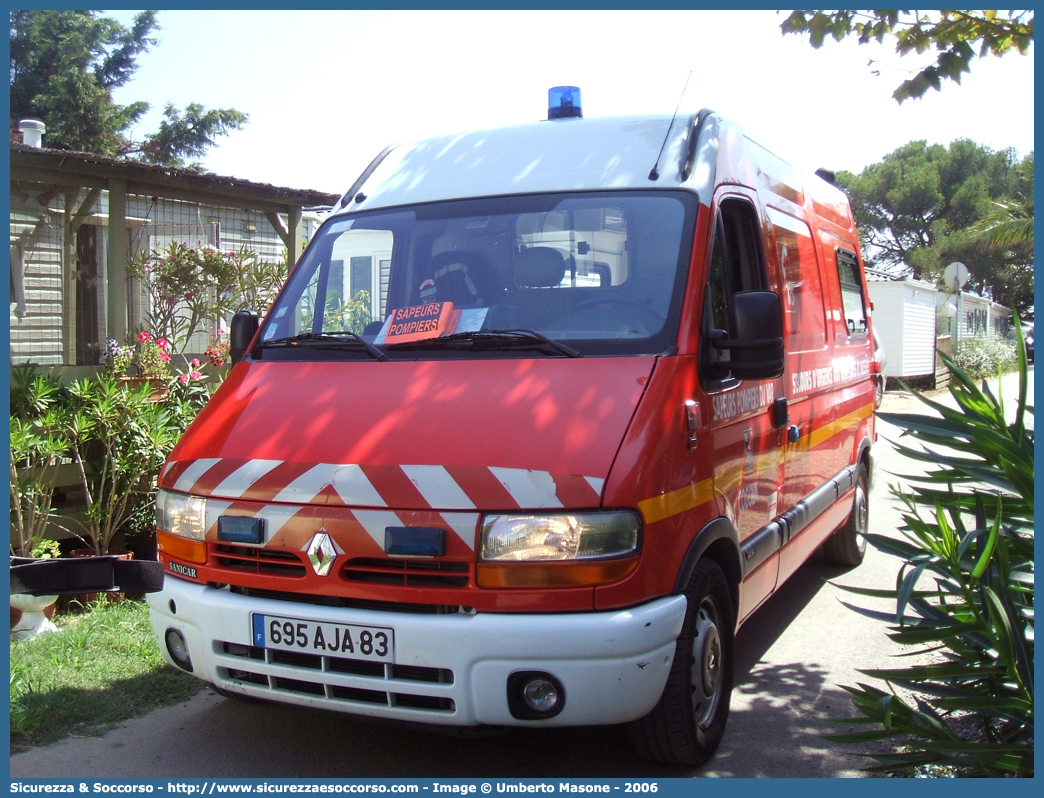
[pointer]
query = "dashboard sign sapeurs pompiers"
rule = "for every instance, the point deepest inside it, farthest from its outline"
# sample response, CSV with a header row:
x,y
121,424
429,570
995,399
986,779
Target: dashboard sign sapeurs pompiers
x,y
540,418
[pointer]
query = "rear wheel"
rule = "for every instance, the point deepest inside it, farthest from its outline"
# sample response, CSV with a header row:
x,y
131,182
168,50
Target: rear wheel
x,y
847,546
687,724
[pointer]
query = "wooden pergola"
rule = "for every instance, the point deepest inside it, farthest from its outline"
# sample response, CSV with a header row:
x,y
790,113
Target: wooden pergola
x,y
46,173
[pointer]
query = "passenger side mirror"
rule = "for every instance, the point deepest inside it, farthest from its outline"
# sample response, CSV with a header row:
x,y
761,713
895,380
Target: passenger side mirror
x,y
244,328
756,348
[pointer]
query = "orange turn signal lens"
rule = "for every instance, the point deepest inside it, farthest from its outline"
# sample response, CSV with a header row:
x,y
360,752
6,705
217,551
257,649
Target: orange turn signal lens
x,y
554,574
181,548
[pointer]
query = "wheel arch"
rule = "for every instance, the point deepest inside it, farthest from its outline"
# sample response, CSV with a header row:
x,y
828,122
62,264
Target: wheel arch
x,y
719,541
865,457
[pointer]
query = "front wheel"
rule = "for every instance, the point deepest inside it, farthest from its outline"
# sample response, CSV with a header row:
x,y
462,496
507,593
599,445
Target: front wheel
x,y
847,546
687,724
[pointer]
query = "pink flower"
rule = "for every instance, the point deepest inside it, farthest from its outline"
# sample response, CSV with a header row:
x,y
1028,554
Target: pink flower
x,y
196,375
161,343
195,362
164,357
183,379
143,336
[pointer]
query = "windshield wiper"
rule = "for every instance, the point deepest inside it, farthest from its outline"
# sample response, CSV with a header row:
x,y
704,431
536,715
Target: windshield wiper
x,y
494,339
327,340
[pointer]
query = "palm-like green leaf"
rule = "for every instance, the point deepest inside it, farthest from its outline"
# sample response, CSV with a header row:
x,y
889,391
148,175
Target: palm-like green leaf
x,y
969,525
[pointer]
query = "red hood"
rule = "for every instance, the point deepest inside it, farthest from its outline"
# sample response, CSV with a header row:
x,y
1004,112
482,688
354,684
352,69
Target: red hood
x,y
489,434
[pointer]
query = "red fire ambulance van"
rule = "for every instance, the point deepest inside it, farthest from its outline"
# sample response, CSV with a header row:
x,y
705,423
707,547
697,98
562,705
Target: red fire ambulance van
x,y
541,416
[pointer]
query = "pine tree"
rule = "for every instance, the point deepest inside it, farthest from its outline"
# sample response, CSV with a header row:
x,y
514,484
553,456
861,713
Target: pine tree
x,y
65,66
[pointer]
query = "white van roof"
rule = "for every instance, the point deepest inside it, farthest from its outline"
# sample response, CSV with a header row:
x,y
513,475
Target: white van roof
x,y
564,155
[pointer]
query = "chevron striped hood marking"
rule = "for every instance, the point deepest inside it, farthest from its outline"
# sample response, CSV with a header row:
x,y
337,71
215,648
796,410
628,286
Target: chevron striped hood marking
x,y
407,487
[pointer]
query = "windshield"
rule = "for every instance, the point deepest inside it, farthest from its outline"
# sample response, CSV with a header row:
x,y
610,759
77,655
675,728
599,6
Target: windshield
x,y
602,273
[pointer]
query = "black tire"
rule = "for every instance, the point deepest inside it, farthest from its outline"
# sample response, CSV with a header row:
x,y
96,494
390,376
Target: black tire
x,y
847,546
879,387
687,724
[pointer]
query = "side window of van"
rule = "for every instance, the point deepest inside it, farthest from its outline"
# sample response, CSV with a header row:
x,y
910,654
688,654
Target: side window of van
x,y
851,292
802,289
736,264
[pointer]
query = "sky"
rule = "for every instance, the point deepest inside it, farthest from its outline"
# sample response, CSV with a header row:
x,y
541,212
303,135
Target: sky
x,y
328,90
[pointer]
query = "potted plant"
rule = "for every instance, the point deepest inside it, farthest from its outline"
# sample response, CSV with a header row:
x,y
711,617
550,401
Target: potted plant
x,y
186,286
189,392
118,439
219,352
117,359
37,448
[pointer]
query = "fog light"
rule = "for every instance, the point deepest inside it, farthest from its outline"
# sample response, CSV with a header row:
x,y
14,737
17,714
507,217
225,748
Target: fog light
x,y
534,695
540,695
178,649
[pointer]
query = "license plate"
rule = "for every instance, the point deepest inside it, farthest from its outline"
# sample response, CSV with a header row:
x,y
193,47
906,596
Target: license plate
x,y
323,638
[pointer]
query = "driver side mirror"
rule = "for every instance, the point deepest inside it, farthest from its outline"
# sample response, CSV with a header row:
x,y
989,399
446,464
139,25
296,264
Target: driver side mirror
x,y
244,328
756,348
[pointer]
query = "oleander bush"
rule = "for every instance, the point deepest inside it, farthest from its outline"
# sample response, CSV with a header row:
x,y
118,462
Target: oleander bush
x,y
980,358
114,434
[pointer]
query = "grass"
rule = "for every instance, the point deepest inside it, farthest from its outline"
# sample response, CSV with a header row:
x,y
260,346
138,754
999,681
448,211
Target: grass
x,y
100,668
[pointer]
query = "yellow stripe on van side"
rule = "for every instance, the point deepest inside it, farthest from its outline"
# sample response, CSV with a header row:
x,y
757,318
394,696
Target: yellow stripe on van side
x,y
677,501
684,499
843,424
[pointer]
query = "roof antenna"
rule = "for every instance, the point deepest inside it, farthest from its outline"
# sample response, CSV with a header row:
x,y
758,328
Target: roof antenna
x,y
654,175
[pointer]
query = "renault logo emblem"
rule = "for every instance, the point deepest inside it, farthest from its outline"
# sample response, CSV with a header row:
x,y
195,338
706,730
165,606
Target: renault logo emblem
x,y
321,554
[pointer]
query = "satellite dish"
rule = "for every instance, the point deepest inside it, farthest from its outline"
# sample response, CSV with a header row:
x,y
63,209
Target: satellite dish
x,y
955,276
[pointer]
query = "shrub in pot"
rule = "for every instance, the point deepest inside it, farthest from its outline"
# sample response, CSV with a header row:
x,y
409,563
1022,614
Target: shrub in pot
x,y
118,439
38,411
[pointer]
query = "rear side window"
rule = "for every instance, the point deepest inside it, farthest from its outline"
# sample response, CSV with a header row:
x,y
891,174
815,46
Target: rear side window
x,y
736,264
802,293
851,292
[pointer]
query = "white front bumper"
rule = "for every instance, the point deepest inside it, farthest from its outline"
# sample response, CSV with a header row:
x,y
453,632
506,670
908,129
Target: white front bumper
x,y
612,665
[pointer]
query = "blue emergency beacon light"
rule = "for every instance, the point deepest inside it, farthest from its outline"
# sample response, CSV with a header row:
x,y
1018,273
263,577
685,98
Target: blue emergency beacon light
x,y
563,102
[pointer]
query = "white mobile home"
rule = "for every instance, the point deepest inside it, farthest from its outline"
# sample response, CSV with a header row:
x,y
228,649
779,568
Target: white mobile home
x,y
904,317
972,316
77,218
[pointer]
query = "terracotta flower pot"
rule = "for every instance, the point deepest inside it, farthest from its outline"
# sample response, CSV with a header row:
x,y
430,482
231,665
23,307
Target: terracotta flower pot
x,y
160,389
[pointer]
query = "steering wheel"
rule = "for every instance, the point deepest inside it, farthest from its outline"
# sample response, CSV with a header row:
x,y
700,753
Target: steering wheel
x,y
649,312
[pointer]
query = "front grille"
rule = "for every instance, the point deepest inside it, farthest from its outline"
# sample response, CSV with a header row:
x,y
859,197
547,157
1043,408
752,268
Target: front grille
x,y
249,559
407,573
382,684
349,603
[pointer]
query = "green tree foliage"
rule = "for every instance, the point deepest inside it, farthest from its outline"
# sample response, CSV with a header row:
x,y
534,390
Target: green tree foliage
x,y
1009,224
65,66
955,37
922,208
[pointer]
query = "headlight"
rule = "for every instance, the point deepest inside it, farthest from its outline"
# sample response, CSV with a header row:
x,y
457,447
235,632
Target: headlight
x,y
181,515
560,550
575,536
